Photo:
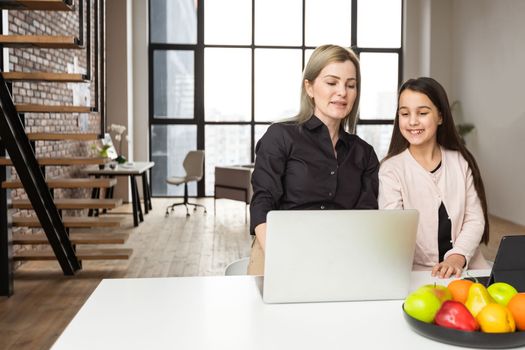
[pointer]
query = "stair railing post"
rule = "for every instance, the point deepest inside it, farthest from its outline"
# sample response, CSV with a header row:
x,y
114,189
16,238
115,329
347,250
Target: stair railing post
x,y
6,246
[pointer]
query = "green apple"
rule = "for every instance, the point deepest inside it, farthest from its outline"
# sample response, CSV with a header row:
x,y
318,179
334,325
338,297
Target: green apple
x,y
441,292
502,292
424,303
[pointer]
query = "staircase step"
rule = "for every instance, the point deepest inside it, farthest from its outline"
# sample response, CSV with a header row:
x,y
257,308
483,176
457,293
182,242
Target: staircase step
x,y
45,76
63,161
46,136
41,41
71,221
39,5
72,203
76,238
67,183
33,108
82,254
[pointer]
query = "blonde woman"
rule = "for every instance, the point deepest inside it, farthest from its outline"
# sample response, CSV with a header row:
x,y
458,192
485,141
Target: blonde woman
x,y
313,161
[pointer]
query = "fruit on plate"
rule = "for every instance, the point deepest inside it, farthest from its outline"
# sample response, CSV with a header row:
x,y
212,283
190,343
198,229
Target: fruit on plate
x,y
501,292
496,318
478,298
454,314
424,303
516,307
459,289
441,292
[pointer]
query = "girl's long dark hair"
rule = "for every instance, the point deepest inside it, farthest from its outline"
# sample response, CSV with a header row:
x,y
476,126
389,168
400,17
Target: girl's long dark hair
x,y
447,135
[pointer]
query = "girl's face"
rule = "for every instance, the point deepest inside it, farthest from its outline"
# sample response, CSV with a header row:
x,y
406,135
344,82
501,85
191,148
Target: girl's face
x,y
419,119
334,91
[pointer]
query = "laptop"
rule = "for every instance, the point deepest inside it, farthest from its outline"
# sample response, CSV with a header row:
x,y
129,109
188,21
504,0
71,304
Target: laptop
x,y
338,255
509,265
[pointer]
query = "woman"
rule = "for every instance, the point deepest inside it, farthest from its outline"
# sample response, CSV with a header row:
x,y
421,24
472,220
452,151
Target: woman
x,y
310,161
429,169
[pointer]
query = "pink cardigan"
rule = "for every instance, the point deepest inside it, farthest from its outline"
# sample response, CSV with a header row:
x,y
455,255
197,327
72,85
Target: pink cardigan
x,y
404,184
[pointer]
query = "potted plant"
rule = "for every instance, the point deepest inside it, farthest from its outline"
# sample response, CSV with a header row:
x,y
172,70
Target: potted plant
x,y
118,132
462,127
102,152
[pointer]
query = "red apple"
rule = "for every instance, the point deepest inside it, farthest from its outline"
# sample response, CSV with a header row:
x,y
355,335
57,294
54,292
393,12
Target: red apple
x,y
454,314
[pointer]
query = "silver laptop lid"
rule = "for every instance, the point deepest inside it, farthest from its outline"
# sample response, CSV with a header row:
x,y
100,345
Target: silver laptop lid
x,y
338,255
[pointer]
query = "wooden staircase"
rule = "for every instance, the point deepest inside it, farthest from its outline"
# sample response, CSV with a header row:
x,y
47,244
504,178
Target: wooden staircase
x,y
70,223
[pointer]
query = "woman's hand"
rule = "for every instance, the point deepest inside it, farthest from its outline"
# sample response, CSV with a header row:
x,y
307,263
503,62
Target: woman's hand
x,y
452,265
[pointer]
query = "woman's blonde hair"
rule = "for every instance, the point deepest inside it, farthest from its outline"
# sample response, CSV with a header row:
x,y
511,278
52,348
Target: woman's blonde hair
x,y
321,57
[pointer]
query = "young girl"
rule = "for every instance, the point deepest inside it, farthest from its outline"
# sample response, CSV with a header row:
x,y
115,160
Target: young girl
x,y
429,169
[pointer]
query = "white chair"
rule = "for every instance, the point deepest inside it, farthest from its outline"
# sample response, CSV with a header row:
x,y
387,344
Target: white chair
x,y
194,166
237,268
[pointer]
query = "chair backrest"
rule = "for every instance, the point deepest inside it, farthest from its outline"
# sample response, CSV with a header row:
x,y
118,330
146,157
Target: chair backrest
x,y
238,267
194,164
233,182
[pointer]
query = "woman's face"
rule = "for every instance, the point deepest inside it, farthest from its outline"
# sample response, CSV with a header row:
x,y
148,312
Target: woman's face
x,y
419,119
333,91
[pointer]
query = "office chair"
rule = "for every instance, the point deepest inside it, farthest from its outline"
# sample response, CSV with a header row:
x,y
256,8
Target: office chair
x,y
193,165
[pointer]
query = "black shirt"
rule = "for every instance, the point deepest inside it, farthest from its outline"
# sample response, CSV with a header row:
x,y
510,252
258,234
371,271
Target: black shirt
x,y
296,168
444,228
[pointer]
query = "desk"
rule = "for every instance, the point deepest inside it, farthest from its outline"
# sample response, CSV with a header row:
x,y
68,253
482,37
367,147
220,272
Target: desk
x,y
133,170
228,313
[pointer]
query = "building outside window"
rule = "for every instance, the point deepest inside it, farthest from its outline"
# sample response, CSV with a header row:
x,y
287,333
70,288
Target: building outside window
x,y
220,71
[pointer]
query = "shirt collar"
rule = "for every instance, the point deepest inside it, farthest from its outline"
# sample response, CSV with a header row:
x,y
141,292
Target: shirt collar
x,y
314,123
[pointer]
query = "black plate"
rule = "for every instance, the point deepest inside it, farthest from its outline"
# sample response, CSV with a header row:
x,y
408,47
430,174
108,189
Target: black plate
x,y
468,339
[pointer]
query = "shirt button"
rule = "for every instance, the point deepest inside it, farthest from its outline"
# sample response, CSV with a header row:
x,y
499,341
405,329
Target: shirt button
x,y
332,172
322,206
330,194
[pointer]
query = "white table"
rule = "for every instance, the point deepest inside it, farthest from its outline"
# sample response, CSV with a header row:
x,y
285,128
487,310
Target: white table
x,y
228,313
132,170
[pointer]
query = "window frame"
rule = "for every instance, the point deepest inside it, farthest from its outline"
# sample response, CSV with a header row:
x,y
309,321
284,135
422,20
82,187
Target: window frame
x,y
199,48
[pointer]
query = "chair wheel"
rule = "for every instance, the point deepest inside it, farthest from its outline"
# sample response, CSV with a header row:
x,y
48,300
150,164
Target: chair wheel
x,y
172,210
167,214
205,212
194,208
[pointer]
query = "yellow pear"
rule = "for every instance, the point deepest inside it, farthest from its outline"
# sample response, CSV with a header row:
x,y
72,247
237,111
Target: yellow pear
x,y
478,297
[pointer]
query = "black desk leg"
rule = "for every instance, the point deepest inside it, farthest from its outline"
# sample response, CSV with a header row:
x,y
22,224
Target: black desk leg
x,y
148,190
109,194
95,194
137,209
145,193
134,200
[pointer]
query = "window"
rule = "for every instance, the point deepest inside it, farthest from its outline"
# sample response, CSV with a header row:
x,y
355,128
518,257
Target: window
x,y
217,84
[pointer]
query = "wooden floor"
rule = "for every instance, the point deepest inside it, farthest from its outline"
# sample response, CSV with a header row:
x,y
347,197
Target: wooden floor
x,y
45,301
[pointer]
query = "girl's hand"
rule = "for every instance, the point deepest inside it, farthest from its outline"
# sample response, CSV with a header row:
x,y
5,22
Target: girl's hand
x,y
452,265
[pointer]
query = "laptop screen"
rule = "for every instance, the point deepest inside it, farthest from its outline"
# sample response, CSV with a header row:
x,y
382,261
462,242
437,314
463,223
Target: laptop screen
x,y
338,255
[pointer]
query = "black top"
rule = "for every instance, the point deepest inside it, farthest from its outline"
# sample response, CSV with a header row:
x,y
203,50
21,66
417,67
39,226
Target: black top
x,y
444,228
296,168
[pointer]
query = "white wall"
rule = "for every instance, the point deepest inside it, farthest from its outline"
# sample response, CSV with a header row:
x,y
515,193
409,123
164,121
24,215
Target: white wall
x,y
475,48
119,79
140,77
428,32
488,56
